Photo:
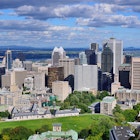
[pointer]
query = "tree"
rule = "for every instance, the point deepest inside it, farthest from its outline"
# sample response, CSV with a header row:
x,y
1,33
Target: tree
x,y
117,109
84,133
119,118
102,94
130,115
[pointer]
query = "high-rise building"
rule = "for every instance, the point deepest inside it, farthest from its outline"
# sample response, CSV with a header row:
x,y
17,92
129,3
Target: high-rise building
x,y
135,73
27,65
68,65
58,53
83,58
17,64
86,77
94,46
2,72
18,76
124,75
107,60
55,74
61,89
117,48
39,81
91,57
8,55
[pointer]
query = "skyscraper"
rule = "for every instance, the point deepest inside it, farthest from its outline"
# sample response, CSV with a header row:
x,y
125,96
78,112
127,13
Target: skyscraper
x,y
135,73
91,57
8,59
68,65
83,58
107,60
94,46
117,48
58,53
86,77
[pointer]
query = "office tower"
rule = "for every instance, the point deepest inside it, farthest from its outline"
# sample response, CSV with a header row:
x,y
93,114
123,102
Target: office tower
x,y
91,57
39,81
135,73
18,76
99,79
124,75
107,105
127,59
27,65
107,60
2,72
29,83
94,46
76,61
106,81
58,53
6,80
61,89
55,74
99,59
83,58
86,77
8,55
117,48
17,64
68,65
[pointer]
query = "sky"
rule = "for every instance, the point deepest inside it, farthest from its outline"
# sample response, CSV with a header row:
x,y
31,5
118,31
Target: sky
x,y
69,23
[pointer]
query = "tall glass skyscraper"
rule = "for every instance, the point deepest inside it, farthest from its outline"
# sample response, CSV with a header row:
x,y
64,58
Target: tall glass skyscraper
x,y
117,48
8,59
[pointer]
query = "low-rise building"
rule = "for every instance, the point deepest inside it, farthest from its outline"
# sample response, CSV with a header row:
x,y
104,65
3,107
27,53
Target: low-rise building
x,y
56,134
65,113
127,96
107,105
120,133
33,113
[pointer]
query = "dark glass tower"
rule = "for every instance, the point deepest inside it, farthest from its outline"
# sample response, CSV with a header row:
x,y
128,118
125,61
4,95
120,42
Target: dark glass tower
x,y
8,59
91,57
107,60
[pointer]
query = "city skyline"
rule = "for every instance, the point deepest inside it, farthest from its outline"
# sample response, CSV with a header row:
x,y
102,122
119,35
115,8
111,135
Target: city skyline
x,y
75,23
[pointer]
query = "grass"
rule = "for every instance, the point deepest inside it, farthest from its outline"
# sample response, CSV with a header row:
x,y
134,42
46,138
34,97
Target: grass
x,y
76,123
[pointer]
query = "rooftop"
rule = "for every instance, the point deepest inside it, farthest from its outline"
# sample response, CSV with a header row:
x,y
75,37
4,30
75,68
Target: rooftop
x,y
108,99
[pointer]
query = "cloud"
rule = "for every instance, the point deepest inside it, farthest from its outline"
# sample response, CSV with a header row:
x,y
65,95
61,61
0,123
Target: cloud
x,y
66,11
110,20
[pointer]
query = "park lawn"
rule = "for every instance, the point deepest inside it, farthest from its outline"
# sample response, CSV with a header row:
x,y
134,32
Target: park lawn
x,y
76,123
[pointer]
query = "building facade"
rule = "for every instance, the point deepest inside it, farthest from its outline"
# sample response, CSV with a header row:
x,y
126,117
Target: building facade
x,y
135,73
68,65
107,105
61,89
117,48
86,77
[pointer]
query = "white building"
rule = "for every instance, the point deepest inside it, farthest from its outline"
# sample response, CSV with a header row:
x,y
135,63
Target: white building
x,y
58,53
117,48
61,89
39,81
83,58
17,64
86,77
29,83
